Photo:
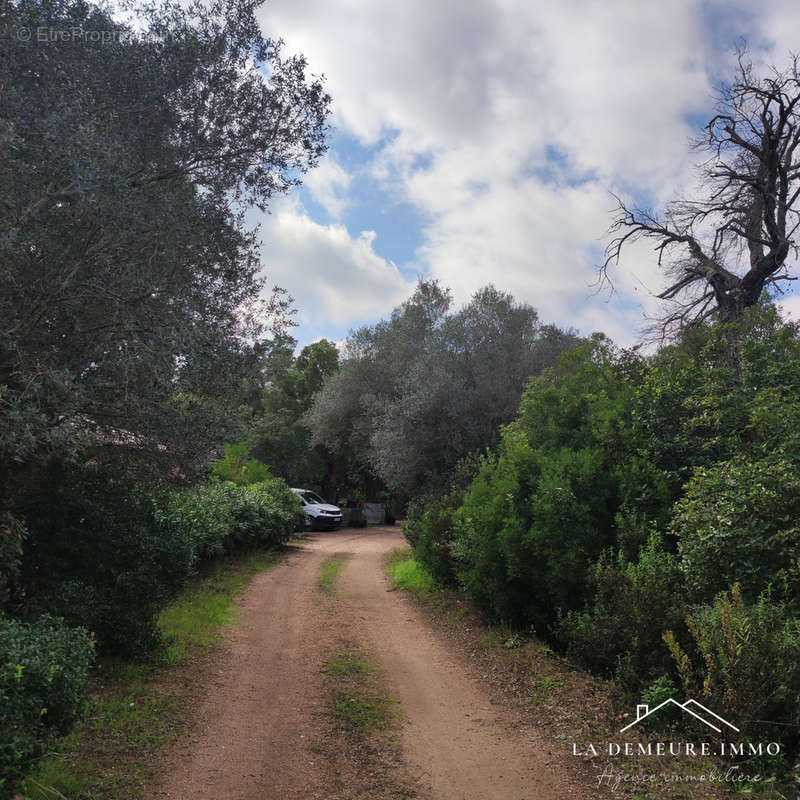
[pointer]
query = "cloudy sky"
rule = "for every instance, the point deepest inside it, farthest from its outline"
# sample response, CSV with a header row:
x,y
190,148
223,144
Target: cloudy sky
x,y
479,141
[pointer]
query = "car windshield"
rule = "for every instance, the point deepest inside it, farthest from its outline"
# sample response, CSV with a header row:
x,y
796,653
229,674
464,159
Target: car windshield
x,y
310,497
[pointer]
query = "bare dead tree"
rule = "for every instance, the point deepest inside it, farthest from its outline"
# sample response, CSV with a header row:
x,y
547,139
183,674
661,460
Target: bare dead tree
x,y
722,250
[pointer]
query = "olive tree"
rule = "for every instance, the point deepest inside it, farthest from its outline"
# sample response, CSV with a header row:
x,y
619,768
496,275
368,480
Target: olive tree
x,y
131,303
421,390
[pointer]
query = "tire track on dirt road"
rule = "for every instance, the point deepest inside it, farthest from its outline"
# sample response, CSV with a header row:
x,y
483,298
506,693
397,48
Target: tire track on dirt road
x,y
453,737
251,730
262,730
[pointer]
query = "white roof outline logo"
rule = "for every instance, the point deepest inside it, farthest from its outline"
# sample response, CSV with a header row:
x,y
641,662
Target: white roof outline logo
x,y
683,707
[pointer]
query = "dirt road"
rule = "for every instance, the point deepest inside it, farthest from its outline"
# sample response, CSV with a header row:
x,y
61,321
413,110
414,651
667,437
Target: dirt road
x,y
262,729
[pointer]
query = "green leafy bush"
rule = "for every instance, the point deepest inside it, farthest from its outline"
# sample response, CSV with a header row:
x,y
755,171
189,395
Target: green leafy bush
x,y
738,522
204,514
43,683
514,557
535,519
222,518
265,514
697,401
239,468
744,660
634,603
433,535
661,689
430,521
487,530
98,556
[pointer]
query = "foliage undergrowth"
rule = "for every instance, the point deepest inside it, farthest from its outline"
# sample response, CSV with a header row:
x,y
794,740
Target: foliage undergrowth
x,y
137,709
407,573
43,681
361,705
329,572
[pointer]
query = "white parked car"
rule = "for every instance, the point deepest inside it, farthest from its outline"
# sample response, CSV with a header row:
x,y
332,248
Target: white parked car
x,y
319,514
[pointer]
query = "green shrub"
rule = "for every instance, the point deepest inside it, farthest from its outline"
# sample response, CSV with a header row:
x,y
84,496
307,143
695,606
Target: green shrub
x,y
705,400
538,516
204,513
646,503
738,523
43,683
661,689
430,523
634,603
433,534
487,530
221,518
529,529
414,514
98,556
239,468
265,514
744,660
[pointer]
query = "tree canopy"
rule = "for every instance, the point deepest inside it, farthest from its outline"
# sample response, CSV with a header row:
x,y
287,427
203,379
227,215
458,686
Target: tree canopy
x,y
424,388
131,306
273,426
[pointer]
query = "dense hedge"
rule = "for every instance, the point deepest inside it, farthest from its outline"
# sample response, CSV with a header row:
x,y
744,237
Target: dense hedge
x,y
98,556
739,522
619,631
265,514
203,514
43,682
105,555
221,518
642,513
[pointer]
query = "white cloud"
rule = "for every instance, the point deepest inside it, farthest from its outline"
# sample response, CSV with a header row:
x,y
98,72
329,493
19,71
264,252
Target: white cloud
x,y
790,307
506,123
329,273
328,184
532,240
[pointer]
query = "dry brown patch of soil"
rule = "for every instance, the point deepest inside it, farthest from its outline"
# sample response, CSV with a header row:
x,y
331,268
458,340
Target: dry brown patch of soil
x,y
561,702
262,727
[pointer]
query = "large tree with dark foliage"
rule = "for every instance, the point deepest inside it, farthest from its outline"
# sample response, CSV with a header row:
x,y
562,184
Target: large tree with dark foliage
x,y
421,390
274,427
130,299
131,318
722,248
